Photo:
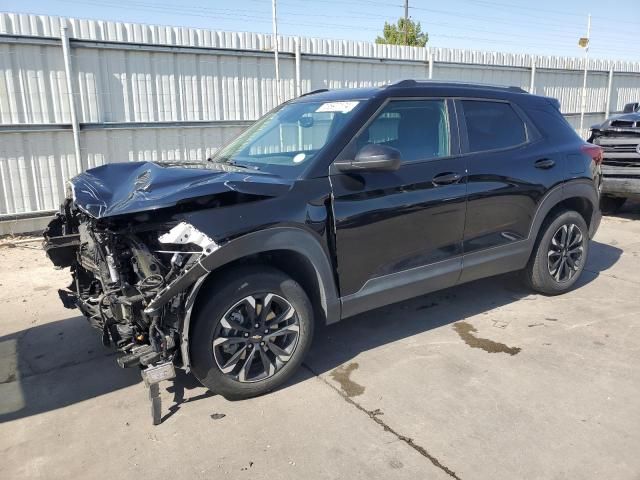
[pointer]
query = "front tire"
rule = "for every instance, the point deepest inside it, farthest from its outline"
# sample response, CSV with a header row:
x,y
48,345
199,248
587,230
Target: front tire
x,y
252,332
560,254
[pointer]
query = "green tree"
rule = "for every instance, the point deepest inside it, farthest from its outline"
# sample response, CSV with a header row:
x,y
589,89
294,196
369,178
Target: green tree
x,y
395,34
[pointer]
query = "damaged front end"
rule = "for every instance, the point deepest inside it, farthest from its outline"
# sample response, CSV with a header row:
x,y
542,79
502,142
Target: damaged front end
x,y
133,258
118,274
124,282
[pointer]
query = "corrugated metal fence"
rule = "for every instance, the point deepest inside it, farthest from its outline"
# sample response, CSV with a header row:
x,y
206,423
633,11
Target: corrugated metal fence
x,y
146,92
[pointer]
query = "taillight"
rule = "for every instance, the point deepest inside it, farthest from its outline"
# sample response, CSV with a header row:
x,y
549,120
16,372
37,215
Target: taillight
x,y
594,151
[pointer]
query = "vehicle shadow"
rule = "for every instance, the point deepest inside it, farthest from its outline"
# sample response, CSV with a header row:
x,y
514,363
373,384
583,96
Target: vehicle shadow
x,y
630,210
57,364
338,344
53,365
181,384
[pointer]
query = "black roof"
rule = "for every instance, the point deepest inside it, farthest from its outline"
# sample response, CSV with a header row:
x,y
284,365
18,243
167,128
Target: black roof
x,y
412,87
458,85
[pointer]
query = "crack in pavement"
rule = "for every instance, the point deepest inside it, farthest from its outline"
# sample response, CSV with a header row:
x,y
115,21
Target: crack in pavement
x,y
374,415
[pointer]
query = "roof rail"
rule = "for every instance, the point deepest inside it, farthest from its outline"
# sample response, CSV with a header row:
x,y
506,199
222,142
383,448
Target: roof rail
x,y
412,83
320,90
403,83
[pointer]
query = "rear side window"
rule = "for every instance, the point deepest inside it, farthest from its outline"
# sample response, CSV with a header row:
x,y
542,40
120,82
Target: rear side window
x,y
552,124
492,125
419,129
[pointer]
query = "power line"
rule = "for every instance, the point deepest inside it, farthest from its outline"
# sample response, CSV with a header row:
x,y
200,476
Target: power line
x,y
561,41
218,13
492,20
559,26
554,12
173,10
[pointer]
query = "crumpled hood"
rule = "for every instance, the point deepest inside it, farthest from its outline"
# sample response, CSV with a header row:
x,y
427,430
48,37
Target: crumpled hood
x,y
625,117
125,188
632,117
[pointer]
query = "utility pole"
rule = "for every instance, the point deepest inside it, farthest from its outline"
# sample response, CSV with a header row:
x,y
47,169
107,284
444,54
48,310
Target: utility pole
x,y
584,42
406,22
275,51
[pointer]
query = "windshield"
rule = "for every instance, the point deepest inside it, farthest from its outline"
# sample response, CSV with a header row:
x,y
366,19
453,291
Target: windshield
x,y
288,137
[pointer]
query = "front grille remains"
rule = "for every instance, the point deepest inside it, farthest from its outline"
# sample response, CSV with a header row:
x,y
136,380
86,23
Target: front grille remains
x,y
619,150
624,124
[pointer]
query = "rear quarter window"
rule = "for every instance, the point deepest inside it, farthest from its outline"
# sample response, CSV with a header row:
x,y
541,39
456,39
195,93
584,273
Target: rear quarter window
x,y
552,124
492,125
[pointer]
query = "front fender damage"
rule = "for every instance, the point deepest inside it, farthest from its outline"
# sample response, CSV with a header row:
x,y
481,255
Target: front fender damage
x,y
183,233
192,278
135,284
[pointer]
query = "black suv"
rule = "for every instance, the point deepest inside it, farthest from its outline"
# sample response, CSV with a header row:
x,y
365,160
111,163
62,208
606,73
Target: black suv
x,y
619,136
333,204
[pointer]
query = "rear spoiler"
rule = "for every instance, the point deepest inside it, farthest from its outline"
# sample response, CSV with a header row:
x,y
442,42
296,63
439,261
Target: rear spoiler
x,y
555,102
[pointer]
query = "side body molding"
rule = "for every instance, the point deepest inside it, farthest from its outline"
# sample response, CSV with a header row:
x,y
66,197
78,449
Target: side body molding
x,y
514,256
293,239
410,283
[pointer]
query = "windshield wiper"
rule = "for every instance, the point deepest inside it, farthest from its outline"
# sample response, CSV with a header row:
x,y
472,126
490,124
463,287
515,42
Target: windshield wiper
x,y
233,163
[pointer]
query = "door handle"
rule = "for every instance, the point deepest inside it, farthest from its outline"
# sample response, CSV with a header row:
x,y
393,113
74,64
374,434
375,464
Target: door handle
x,y
544,163
446,178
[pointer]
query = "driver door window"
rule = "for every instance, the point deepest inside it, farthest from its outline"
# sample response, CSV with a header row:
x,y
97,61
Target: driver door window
x,y
419,129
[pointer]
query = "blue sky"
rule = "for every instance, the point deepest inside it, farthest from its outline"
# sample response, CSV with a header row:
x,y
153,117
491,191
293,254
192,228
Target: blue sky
x,y
546,26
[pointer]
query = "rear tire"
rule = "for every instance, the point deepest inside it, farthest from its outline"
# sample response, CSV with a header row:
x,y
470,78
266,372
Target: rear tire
x,y
611,205
233,357
559,255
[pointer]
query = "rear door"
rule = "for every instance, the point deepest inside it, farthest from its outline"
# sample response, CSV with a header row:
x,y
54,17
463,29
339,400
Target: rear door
x,y
391,226
510,169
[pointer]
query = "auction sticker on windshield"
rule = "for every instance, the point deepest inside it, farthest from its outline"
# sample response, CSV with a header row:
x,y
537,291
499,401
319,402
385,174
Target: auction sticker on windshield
x,y
342,107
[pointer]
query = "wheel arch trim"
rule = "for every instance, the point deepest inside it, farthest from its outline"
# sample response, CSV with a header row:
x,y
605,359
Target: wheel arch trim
x,y
579,188
292,239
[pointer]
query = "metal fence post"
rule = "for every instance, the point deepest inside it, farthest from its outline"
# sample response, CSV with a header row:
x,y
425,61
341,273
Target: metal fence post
x,y
609,88
298,61
430,64
583,102
75,126
532,83
275,53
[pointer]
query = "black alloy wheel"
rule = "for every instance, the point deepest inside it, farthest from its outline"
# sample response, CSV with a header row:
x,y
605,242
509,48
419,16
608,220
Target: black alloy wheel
x,y
559,254
251,330
256,337
565,252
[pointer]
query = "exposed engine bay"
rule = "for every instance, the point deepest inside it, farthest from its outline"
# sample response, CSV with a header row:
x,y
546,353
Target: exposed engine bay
x,y
116,275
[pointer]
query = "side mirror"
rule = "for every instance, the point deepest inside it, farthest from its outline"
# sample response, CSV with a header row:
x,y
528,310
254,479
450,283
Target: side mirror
x,y
631,107
372,157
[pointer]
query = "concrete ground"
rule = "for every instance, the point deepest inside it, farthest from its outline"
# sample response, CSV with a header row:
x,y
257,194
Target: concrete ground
x,y
485,380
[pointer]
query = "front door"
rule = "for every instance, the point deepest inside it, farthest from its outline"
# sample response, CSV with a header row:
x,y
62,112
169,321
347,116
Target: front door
x,y
399,233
